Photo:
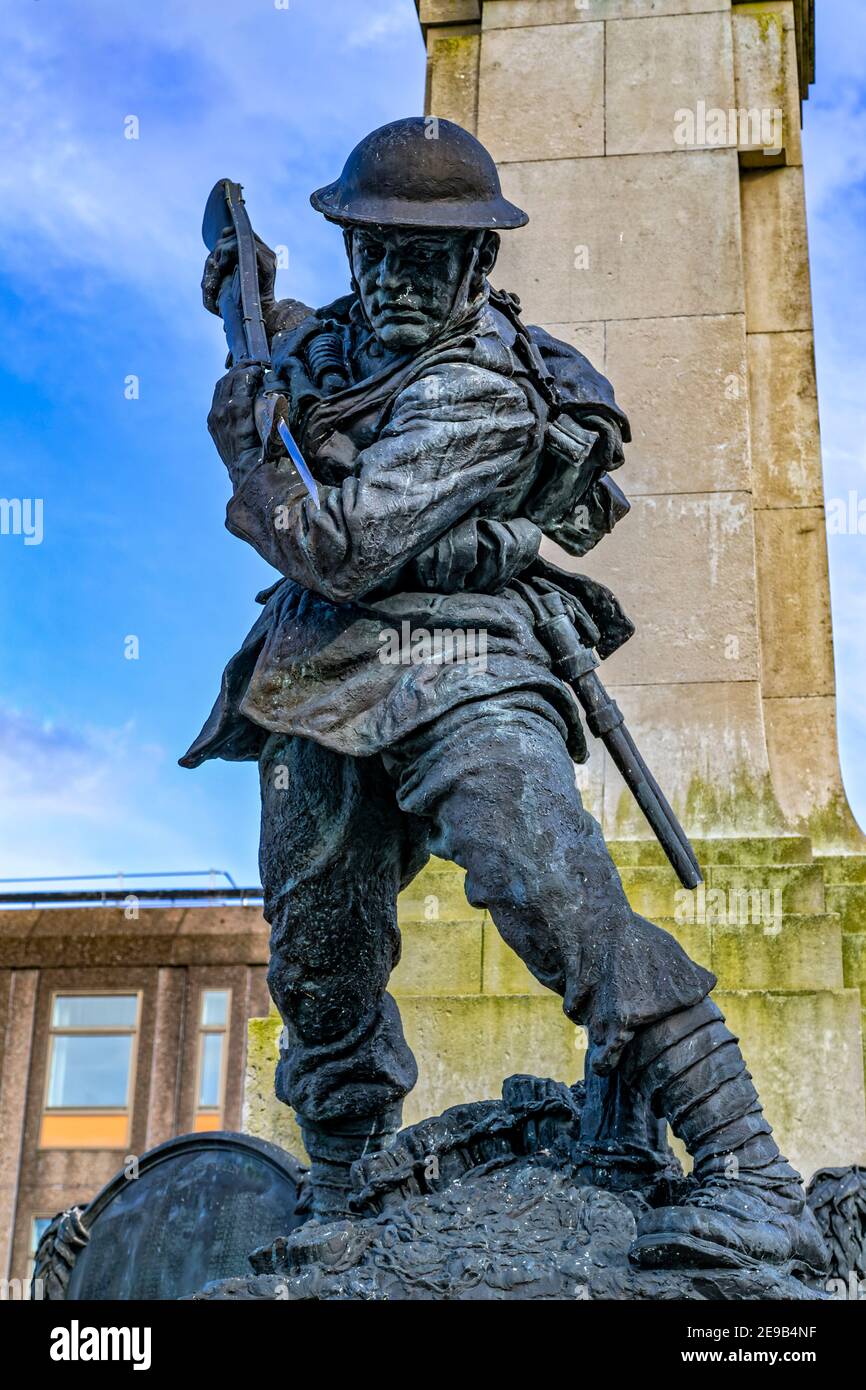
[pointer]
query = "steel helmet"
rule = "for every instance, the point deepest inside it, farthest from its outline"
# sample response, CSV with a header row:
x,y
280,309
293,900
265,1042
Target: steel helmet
x,y
419,172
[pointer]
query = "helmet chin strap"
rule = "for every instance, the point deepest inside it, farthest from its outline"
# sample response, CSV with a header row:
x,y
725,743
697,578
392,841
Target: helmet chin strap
x,y
460,302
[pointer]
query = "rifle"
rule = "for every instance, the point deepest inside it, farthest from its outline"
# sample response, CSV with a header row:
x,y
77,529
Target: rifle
x,y
240,308
576,662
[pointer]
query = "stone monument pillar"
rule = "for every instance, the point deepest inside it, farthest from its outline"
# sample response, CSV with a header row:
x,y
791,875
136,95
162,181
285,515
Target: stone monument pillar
x,y
656,146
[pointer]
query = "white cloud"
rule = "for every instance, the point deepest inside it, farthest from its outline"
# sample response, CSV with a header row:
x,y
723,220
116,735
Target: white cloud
x,y
396,19
70,795
220,88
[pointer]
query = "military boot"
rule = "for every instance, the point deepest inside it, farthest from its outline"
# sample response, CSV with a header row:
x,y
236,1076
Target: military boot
x,y
333,1146
747,1206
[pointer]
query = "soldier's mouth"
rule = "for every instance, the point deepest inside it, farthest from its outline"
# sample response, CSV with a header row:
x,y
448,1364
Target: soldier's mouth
x,y
400,316
402,319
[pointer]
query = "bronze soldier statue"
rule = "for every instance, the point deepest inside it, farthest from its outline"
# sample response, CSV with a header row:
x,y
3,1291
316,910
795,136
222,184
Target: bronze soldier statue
x,y
446,439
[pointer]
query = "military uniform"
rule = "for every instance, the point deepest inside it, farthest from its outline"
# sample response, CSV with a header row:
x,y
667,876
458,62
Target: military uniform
x,y
438,476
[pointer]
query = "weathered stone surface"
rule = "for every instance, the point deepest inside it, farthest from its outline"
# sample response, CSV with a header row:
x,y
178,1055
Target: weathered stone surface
x,y
854,958
504,971
656,893
452,85
746,850
706,741
775,251
588,338
802,748
661,368
786,445
843,868
777,1031
849,900
466,1045
449,11
565,76
639,236
502,14
658,68
766,78
263,1115
440,958
703,630
793,953
800,886
796,631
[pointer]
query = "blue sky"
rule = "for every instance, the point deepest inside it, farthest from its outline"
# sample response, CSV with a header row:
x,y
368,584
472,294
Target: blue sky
x,y
100,259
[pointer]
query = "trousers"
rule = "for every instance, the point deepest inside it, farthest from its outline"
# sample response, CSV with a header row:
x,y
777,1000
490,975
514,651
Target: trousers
x,y
490,786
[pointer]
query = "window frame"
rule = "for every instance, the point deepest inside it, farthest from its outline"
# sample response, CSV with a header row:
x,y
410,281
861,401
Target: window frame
x,y
57,1030
202,1031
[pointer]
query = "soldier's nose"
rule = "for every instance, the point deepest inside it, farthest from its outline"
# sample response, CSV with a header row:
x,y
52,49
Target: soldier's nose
x,y
390,274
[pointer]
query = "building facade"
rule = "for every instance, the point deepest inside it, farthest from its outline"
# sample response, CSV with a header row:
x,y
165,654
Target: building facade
x,y
120,1027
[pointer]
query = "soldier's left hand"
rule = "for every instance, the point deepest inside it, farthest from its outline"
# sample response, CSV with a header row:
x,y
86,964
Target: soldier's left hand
x,y
221,263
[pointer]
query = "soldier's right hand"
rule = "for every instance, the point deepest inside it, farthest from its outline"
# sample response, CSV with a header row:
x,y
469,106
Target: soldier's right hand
x,y
223,259
231,420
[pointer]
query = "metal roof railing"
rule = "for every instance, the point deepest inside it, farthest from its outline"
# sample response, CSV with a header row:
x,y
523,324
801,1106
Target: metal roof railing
x,y
125,891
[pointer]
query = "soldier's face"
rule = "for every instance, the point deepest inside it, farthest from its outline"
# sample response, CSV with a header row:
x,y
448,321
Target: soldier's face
x,y
407,281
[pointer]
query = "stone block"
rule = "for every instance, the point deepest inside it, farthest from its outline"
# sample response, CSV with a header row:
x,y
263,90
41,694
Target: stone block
x,y
804,766
263,1115
775,251
849,900
776,849
683,384
625,237
691,597
439,958
793,585
452,75
786,445
800,887
541,93
651,891
842,869
436,895
505,14
467,1047
694,937
449,11
767,81
805,1053
705,744
854,958
804,953
659,74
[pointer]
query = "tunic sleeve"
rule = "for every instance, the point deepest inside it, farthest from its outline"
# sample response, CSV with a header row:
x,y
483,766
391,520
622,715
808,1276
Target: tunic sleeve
x,y
452,437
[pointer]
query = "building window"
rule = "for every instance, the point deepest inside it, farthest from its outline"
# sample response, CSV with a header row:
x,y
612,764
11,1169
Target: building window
x,y
212,1048
38,1226
91,1063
